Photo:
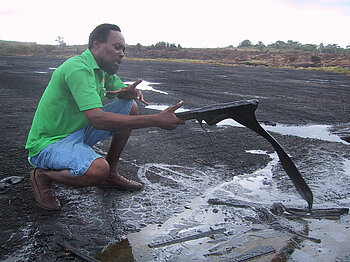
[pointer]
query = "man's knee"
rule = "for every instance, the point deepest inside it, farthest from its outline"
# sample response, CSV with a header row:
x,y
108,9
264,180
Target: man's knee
x,y
134,109
98,171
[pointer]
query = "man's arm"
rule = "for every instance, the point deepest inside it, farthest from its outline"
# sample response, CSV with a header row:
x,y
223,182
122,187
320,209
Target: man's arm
x,y
112,121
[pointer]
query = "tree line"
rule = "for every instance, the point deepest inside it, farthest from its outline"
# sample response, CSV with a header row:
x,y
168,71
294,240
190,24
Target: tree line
x,y
295,45
22,48
290,45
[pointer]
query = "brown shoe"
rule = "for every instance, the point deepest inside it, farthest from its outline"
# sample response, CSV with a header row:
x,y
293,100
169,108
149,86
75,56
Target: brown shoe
x,y
45,198
121,182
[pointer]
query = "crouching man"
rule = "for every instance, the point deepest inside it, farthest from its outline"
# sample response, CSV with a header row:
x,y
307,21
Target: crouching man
x,y
71,119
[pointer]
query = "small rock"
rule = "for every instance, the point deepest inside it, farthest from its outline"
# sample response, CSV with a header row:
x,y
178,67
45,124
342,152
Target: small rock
x,y
8,181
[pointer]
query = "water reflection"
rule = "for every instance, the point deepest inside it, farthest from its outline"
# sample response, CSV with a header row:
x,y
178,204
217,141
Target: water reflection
x,y
145,85
307,131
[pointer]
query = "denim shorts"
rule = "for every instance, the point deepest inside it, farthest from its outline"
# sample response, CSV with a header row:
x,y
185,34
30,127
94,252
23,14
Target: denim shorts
x,y
75,152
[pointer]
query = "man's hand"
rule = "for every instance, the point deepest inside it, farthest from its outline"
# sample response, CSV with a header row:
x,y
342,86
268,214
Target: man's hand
x,y
129,92
167,118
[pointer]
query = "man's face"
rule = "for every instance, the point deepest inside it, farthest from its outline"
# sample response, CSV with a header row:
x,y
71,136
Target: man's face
x,y
111,53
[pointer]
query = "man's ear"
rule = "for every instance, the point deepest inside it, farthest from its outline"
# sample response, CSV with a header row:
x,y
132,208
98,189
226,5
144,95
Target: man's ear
x,y
96,44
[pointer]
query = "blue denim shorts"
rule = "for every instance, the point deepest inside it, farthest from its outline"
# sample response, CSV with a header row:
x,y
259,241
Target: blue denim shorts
x,y
75,152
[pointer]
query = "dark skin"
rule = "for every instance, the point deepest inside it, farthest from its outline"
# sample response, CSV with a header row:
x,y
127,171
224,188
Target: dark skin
x,y
108,56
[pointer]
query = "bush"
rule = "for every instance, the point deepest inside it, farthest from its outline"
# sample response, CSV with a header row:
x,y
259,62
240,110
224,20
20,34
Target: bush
x,y
315,59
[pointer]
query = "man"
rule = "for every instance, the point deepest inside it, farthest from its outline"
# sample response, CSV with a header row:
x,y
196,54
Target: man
x,y
70,119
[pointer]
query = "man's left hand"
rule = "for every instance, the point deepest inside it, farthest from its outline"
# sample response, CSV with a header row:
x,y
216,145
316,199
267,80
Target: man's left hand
x,y
129,92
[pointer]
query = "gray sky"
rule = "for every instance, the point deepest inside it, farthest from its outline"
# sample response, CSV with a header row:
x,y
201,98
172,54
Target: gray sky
x,y
190,23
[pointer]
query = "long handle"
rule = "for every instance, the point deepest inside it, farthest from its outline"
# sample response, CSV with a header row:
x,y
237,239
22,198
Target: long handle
x,y
248,119
244,113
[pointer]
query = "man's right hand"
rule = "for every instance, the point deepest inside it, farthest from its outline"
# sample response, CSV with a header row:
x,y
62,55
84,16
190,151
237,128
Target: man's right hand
x,y
167,118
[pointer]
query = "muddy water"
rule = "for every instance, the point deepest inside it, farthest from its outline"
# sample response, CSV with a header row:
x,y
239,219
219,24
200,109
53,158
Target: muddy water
x,y
245,230
239,237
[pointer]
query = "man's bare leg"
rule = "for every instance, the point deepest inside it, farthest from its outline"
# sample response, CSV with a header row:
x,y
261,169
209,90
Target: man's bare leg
x,y
97,172
42,182
115,150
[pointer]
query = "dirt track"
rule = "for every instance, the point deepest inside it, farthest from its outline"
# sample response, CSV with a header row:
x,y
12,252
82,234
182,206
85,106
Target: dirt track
x,y
93,218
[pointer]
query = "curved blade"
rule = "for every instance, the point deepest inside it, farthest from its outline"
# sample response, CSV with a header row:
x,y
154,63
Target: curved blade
x,y
244,113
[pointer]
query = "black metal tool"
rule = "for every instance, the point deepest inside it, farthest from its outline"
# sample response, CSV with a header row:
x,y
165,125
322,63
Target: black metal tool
x,y
244,113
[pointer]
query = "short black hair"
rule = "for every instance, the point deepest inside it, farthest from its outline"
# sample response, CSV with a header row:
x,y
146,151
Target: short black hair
x,y
101,32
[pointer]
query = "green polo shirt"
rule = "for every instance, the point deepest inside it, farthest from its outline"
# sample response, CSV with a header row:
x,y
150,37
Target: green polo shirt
x,y
77,85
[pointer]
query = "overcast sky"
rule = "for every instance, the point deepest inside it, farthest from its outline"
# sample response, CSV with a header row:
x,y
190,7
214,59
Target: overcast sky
x,y
190,23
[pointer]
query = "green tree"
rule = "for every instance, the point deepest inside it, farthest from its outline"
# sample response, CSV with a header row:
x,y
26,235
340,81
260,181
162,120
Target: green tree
x,y
293,45
261,46
278,45
245,43
332,49
161,45
309,47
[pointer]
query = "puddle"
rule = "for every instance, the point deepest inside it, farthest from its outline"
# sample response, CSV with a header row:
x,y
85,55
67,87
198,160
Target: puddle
x,y
235,238
259,187
316,81
241,235
335,240
321,132
145,85
120,251
44,72
307,131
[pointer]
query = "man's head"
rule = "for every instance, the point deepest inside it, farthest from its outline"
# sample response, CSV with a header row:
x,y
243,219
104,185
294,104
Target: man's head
x,y
107,45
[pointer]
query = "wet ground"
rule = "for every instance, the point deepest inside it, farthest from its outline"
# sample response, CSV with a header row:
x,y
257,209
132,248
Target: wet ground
x,y
177,216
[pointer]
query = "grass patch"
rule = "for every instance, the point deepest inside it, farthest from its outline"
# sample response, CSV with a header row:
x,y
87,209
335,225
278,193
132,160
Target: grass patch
x,y
261,63
179,60
334,69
